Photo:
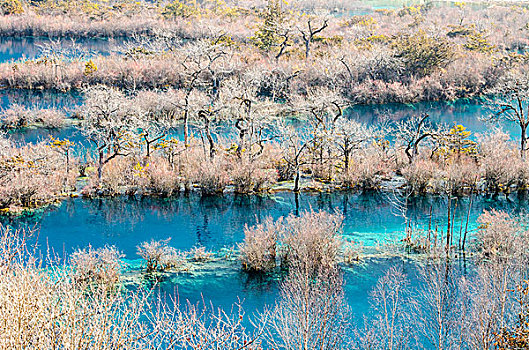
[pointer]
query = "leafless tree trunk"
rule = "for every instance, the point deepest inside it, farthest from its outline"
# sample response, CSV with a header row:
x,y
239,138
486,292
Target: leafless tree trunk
x,y
310,32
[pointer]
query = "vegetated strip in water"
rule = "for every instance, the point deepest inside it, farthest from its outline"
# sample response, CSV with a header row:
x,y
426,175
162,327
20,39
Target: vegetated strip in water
x,y
467,112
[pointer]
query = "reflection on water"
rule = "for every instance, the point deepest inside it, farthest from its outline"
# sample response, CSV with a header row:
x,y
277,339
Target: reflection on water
x,y
40,99
20,48
218,221
469,113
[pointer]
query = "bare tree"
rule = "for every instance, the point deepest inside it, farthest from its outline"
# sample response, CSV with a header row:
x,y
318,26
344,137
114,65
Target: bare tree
x,y
350,135
202,69
295,146
254,115
512,104
490,308
390,325
152,128
411,132
310,31
208,109
195,327
437,307
322,108
109,122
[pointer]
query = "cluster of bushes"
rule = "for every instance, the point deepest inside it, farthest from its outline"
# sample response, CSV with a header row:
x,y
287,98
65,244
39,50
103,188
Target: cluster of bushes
x,y
389,56
159,256
34,175
313,240
17,117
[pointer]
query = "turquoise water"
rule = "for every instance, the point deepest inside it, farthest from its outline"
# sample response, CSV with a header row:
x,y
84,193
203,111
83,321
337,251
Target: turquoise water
x,y
21,48
217,223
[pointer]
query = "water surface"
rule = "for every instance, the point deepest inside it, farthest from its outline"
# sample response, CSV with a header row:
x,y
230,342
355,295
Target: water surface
x,y
217,223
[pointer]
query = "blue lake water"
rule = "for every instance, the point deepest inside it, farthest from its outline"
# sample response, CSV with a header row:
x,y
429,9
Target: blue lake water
x,y
218,222
21,48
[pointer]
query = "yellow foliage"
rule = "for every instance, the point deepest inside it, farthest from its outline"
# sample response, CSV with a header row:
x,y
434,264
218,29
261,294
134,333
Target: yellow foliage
x,y
90,68
457,142
139,170
11,7
60,144
181,9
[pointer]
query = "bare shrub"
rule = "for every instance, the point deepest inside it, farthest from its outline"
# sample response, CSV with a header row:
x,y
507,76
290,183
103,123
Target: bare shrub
x,y
500,236
462,175
390,327
419,174
351,252
206,327
153,253
17,116
163,180
117,177
258,251
50,118
200,254
100,266
173,259
501,163
312,240
366,170
45,308
249,177
311,312
32,176
210,175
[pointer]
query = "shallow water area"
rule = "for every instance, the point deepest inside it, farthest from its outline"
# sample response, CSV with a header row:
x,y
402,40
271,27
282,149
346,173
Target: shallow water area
x,y
217,223
22,48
